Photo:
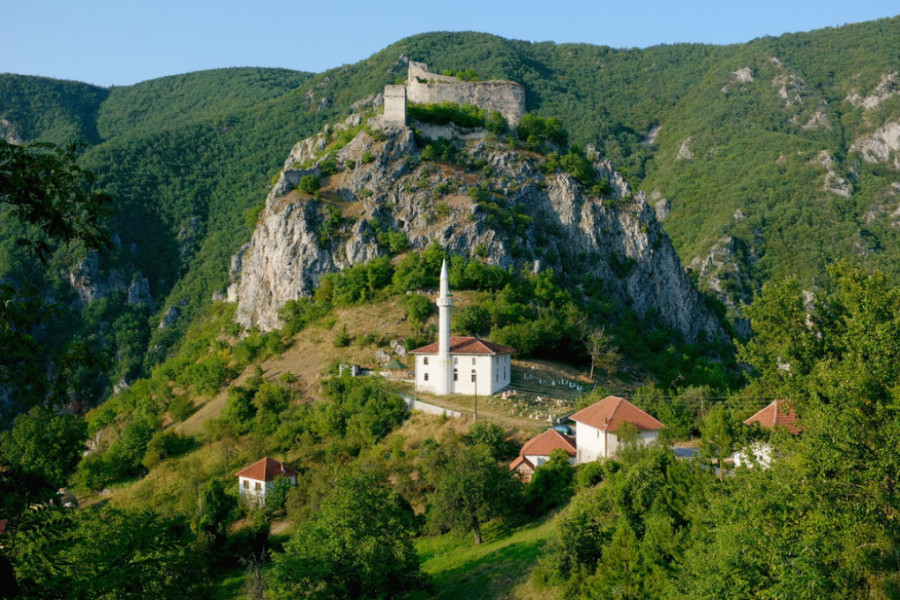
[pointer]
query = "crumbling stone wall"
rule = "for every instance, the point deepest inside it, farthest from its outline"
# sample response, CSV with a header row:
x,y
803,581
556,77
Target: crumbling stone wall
x,y
423,87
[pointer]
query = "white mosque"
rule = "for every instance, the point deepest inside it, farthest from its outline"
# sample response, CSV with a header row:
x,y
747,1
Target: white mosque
x,y
460,364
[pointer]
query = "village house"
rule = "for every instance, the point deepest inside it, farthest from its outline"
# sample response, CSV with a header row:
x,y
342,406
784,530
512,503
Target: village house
x,y
257,480
460,364
597,425
777,415
537,450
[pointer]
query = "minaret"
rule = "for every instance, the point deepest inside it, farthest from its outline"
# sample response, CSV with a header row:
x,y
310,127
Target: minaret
x,y
445,363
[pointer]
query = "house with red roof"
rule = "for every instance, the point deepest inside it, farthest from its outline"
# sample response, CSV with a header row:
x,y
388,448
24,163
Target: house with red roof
x,y
597,425
460,364
776,416
536,452
255,481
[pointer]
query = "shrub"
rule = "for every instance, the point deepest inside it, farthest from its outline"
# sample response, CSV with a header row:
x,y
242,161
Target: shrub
x,y
464,115
418,308
342,338
309,184
589,474
535,132
165,444
495,123
181,407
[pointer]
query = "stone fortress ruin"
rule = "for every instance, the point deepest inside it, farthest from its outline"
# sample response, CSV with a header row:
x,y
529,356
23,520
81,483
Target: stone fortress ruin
x,y
422,87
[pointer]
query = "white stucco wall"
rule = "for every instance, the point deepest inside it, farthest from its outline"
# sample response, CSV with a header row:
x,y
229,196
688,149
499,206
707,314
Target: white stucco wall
x,y
591,443
594,443
255,489
492,372
759,453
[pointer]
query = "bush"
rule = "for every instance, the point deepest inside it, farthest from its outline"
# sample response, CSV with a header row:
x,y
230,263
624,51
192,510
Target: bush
x,y
551,485
464,115
342,338
536,131
495,123
181,407
309,184
589,474
418,308
165,444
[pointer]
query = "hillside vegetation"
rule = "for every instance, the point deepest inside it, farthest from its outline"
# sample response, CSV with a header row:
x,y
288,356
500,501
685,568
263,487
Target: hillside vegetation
x,y
766,162
188,157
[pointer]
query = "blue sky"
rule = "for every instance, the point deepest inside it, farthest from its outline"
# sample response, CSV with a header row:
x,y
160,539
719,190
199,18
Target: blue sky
x,y
120,42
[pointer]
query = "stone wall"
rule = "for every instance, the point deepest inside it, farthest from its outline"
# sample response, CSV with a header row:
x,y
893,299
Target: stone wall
x,y
506,97
423,87
395,105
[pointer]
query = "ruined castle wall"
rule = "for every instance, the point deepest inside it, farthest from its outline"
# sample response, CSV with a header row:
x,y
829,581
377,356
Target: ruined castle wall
x,y
395,105
506,97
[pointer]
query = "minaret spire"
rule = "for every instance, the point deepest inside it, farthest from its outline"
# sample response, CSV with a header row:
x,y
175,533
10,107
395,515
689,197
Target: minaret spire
x,y
444,302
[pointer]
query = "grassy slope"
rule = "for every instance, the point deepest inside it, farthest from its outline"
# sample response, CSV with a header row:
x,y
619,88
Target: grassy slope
x,y
498,568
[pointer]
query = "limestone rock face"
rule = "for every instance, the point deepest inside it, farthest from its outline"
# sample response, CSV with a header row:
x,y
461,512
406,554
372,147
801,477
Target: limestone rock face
x,y
493,202
90,282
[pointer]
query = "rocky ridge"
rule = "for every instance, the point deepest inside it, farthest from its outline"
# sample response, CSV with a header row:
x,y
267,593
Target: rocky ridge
x,y
491,201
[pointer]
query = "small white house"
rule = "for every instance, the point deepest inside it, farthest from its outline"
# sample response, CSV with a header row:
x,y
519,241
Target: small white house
x,y
255,481
537,450
778,415
596,426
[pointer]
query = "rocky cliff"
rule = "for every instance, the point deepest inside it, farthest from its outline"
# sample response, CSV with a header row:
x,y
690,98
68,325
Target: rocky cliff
x,y
483,198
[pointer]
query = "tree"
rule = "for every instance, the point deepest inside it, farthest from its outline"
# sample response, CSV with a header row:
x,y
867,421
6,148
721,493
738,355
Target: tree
x,y
600,348
821,522
718,436
216,508
551,484
472,488
45,188
109,553
494,437
44,444
357,546
53,199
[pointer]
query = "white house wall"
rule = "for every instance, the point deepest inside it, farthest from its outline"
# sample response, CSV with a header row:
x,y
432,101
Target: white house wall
x,y
595,443
256,489
492,373
591,443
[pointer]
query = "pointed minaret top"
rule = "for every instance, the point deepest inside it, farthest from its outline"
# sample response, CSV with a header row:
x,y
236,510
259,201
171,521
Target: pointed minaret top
x,y
445,280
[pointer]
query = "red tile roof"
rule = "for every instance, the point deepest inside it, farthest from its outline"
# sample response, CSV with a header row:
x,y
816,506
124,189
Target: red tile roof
x,y
520,461
266,469
612,411
467,345
547,442
523,468
776,414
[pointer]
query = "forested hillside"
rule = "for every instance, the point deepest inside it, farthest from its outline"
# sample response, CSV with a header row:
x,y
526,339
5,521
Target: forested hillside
x,y
125,380
748,149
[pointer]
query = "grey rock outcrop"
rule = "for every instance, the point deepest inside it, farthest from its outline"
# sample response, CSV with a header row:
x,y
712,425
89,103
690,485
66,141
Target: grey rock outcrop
x,y
91,281
512,217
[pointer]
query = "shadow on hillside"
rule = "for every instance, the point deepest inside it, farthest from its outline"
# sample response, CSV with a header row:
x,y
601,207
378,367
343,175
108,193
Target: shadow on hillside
x,y
490,576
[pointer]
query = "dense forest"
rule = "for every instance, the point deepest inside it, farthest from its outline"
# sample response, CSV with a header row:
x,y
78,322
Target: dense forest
x,y
772,170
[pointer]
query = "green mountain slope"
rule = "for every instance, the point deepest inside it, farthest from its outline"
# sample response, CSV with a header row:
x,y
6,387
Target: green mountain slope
x,y
189,157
